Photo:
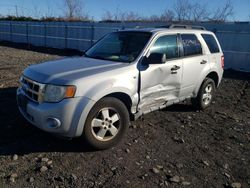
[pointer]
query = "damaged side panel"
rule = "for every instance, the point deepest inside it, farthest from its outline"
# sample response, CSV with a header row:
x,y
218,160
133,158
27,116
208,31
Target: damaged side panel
x,y
159,84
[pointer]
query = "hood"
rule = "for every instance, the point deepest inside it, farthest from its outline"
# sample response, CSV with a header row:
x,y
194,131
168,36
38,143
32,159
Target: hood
x,y
66,70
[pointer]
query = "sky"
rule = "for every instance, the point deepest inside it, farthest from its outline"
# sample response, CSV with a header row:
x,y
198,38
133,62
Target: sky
x,y
96,8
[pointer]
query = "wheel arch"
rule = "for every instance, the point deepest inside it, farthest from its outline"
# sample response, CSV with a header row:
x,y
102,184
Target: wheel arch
x,y
213,75
124,98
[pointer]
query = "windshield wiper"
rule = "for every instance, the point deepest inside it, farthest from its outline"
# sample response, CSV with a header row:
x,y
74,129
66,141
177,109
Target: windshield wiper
x,y
108,59
96,57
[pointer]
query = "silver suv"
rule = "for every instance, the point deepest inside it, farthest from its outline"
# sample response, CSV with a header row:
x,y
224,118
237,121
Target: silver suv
x,y
124,75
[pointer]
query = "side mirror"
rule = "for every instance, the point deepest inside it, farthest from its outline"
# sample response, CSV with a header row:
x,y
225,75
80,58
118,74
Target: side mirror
x,y
154,58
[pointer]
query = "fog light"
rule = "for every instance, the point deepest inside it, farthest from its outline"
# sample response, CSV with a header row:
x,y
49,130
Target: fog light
x,y
53,123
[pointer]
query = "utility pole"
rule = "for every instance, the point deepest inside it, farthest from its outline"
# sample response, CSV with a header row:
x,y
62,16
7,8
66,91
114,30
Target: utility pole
x,y
16,11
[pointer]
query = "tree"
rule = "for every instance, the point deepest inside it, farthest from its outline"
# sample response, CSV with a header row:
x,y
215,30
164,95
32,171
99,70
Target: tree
x,y
120,16
130,16
154,18
107,16
74,9
199,12
187,11
167,15
222,14
182,9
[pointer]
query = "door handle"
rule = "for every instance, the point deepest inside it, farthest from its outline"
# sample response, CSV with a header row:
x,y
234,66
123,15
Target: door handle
x,y
203,62
175,67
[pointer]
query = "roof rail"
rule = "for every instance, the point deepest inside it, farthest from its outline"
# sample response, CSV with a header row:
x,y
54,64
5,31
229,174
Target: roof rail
x,y
174,26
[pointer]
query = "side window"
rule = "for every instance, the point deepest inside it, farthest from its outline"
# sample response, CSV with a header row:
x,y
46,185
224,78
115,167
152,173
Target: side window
x,y
211,43
166,45
191,45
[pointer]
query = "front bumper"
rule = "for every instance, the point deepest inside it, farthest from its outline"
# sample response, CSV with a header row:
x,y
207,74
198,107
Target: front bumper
x,y
68,112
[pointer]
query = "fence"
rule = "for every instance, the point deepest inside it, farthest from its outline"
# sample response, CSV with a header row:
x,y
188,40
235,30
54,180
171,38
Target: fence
x,y
234,38
56,36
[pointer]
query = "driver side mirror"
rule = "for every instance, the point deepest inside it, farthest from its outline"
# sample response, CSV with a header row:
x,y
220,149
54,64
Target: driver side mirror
x,y
154,58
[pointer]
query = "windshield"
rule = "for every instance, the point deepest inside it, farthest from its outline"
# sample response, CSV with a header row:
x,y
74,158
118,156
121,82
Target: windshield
x,y
119,46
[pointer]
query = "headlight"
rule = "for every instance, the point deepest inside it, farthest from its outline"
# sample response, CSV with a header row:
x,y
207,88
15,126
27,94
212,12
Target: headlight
x,y
55,93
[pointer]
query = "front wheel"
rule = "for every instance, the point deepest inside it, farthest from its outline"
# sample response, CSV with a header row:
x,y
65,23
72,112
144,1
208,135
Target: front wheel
x,y
205,95
106,123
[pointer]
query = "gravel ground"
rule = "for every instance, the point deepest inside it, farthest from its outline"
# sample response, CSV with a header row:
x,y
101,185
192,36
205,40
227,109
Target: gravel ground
x,y
174,147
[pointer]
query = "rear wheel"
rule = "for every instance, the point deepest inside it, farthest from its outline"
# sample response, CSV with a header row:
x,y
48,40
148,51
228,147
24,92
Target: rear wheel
x,y
106,123
205,95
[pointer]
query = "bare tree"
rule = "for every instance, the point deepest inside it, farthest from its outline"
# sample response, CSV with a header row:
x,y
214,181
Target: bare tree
x,y
167,15
199,12
222,14
183,9
37,12
49,12
154,18
74,9
131,16
107,16
120,16
187,11
116,16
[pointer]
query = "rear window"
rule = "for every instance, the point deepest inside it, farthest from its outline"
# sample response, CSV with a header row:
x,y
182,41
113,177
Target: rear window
x,y
211,43
191,45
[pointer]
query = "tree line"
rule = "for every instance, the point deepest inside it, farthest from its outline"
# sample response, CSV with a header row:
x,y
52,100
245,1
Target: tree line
x,y
183,11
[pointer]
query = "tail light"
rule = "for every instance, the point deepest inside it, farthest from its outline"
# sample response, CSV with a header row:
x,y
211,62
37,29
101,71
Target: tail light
x,y
222,61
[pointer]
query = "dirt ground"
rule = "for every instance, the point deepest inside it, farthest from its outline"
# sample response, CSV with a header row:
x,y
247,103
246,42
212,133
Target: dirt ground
x,y
174,147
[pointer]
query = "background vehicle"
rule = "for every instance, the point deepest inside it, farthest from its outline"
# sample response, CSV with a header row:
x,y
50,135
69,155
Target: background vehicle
x,y
124,75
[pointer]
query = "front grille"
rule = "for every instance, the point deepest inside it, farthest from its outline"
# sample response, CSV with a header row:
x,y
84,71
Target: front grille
x,y
32,89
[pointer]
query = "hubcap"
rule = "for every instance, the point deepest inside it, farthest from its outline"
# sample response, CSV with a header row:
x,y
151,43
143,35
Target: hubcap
x,y
207,95
106,124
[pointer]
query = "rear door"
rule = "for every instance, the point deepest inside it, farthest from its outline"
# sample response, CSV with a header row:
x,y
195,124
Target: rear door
x,y
194,63
161,83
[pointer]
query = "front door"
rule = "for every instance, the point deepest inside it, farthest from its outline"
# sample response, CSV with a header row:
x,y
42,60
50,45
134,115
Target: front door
x,y
160,83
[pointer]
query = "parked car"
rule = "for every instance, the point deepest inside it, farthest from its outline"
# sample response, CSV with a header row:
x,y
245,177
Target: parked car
x,y
124,75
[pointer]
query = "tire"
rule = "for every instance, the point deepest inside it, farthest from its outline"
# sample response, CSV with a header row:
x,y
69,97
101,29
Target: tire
x,y
205,95
106,123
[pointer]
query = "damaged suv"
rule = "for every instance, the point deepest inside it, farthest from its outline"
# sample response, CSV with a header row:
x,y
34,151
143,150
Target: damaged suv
x,y
124,75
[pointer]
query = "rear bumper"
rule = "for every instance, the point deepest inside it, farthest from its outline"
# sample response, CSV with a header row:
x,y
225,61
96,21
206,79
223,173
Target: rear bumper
x,y
68,112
